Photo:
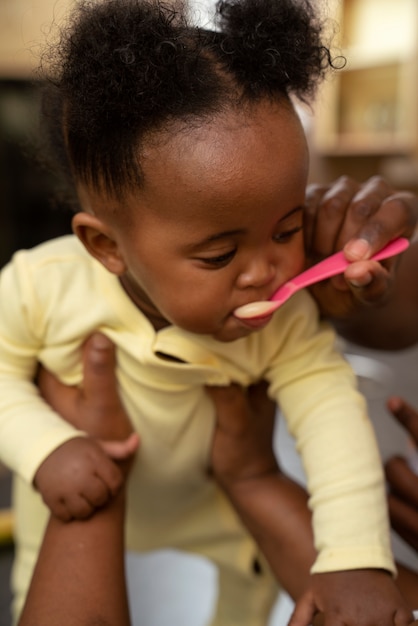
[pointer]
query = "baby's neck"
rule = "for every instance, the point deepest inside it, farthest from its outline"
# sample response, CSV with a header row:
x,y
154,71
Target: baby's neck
x,y
144,305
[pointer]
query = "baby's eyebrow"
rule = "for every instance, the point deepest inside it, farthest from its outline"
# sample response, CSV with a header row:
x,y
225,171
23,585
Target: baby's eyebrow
x,y
295,210
222,235
239,231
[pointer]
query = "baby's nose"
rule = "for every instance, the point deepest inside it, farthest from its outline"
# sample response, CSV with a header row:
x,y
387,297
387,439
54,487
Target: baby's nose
x,y
259,272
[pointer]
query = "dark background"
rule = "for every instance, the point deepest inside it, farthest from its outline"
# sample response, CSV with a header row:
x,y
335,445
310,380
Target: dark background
x,y
29,214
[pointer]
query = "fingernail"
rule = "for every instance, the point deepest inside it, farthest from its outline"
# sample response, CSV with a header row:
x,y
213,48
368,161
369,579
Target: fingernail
x,y
394,403
100,341
358,249
364,282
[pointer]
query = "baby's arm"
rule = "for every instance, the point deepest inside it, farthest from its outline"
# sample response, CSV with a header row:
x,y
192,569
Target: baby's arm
x,y
79,477
275,511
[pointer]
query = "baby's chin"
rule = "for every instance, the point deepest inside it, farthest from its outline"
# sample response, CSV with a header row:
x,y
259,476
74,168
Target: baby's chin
x,y
233,332
227,330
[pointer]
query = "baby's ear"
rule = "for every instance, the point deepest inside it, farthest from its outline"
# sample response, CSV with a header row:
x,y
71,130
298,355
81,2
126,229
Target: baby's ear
x,y
100,241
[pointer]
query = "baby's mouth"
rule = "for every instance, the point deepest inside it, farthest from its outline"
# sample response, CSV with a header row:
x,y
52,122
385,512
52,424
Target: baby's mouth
x,y
253,322
255,310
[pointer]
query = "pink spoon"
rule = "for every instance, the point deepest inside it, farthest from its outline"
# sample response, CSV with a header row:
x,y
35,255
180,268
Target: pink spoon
x,y
334,264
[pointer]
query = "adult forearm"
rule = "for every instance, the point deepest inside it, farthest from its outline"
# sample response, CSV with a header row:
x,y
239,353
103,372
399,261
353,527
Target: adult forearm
x,y
79,577
408,584
275,511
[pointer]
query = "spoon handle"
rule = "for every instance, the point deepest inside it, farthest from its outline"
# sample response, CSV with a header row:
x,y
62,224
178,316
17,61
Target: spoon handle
x,y
337,264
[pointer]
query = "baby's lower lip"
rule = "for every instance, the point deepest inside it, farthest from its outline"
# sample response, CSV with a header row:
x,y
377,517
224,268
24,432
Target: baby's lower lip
x,y
255,323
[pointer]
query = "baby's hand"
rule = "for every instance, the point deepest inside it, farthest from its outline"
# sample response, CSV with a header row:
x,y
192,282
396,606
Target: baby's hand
x,y
77,478
366,597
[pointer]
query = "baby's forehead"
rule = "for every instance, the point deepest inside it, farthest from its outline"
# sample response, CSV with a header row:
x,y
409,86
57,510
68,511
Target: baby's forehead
x,y
220,140
213,163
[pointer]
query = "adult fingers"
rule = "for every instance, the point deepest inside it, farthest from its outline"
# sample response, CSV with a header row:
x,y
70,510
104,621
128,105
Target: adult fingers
x,y
405,414
369,281
326,213
60,397
403,481
368,230
361,218
404,520
99,377
231,406
313,198
362,214
304,611
262,406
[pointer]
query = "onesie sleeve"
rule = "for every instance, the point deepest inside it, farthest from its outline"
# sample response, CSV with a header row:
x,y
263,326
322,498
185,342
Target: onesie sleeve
x,y
29,429
316,390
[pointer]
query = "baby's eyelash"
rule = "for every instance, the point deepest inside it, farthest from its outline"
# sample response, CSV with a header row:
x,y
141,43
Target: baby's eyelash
x,y
287,235
217,261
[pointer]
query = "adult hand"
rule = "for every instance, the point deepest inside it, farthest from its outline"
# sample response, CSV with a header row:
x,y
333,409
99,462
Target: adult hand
x,y
242,445
360,218
352,598
95,407
403,481
78,477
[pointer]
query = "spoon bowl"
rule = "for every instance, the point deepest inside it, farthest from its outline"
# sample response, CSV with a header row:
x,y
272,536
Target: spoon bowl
x,y
331,266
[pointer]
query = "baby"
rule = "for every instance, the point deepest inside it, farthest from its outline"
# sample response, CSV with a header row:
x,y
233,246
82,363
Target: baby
x,y
190,166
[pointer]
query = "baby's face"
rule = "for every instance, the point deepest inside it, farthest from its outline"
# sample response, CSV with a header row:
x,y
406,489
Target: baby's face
x,y
218,223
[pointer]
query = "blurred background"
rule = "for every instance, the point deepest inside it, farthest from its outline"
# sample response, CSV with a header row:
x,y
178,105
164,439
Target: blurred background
x,y
364,122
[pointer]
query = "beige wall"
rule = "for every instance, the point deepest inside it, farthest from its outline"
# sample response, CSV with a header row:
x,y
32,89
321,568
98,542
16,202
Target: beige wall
x,y
23,27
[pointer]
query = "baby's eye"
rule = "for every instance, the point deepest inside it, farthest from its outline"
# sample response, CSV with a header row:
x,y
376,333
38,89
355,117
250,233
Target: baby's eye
x,y
285,236
219,261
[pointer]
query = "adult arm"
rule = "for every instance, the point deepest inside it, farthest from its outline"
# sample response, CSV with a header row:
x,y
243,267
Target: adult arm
x,y
402,477
276,513
272,506
79,577
373,304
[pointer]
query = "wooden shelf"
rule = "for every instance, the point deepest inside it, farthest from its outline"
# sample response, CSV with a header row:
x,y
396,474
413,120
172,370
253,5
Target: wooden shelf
x,y
371,106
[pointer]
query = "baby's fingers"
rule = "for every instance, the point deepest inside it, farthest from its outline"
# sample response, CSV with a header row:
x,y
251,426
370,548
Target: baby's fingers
x,y
79,507
110,475
59,509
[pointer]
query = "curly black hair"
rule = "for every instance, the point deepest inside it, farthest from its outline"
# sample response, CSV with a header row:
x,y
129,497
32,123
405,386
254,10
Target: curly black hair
x,y
125,68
